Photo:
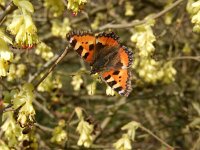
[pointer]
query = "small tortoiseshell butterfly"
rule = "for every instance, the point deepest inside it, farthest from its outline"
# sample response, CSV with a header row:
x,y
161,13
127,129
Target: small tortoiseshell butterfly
x,y
107,57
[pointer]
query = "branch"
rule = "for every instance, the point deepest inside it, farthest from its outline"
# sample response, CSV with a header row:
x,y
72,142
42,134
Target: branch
x,y
52,67
10,8
196,58
4,85
43,68
107,120
92,12
44,128
136,22
156,137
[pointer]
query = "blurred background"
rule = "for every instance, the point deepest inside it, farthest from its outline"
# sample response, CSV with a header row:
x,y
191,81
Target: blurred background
x,y
70,109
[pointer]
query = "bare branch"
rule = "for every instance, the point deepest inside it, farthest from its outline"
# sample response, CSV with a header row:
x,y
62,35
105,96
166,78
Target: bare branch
x,y
136,22
156,137
52,67
10,8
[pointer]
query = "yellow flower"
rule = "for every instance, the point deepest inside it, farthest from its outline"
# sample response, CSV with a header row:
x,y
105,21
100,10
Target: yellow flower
x,y
129,9
194,9
59,134
11,129
24,99
24,4
77,81
50,83
124,143
97,21
110,91
131,127
44,51
16,71
29,25
23,26
3,145
148,69
16,23
6,55
56,7
60,28
84,129
3,67
91,88
75,5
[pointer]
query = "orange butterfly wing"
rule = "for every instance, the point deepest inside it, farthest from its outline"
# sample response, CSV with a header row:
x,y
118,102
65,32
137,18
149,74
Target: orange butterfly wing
x,y
119,79
107,39
84,44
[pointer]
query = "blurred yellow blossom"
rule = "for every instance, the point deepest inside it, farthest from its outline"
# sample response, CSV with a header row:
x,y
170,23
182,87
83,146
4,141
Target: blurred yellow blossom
x,y
2,2
194,9
131,127
44,51
84,129
22,25
3,145
23,100
98,19
3,67
129,9
75,5
77,81
56,7
60,28
150,70
16,71
59,134
6,55
51,82
91,88
10,128
124,143
110,91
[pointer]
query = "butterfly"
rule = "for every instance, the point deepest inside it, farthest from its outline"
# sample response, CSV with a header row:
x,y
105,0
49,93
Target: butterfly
x,y
107,57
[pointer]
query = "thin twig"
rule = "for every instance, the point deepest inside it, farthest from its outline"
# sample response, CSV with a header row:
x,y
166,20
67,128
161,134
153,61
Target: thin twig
x,y
43,108
135,23
196,58
10,8
43,68
44,128
52,67
196,144
94,11
156,137
3,85
106,121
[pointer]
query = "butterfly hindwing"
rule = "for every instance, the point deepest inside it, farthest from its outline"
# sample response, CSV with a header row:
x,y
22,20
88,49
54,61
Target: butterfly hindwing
x,y
84,44
118,80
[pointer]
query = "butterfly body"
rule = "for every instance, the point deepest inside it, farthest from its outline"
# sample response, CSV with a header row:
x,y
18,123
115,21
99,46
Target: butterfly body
x,y
106,56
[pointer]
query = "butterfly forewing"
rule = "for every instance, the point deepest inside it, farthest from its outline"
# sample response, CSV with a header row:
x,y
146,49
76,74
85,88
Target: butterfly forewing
x,y
83,44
